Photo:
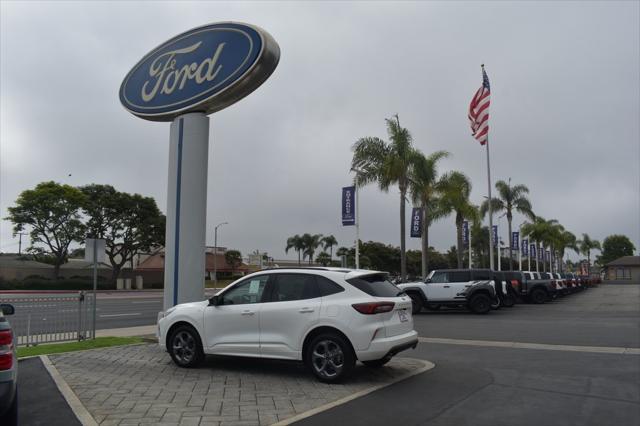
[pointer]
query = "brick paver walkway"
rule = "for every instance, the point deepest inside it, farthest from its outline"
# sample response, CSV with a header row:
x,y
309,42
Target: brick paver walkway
x,y
140,385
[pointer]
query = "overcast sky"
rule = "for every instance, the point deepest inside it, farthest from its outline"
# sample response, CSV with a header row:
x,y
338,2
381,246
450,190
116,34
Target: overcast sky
x,y
565,109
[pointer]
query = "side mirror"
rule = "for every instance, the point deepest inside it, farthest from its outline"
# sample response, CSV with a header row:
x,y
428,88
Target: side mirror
x,y
427,280
7,309
215,301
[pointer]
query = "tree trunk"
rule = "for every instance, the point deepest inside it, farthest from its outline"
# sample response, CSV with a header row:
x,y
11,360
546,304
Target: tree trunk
x,y
459,219
115,272
298,257
56,270
544,262
403,255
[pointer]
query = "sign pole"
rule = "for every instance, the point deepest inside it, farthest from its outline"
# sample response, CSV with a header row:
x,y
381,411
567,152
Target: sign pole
x,y
357,206
470,253
520,248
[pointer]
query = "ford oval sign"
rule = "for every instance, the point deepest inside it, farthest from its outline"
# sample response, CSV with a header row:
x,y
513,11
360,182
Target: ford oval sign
x,y
205,70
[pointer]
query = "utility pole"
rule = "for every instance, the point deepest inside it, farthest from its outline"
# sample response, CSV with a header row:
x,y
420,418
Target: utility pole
x,y
215,252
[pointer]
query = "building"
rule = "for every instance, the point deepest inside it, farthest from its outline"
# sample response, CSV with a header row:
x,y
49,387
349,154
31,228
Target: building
x,y
18,267
623,270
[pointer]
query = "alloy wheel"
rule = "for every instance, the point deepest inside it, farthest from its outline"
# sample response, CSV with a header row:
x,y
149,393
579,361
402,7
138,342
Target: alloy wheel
x,y
327,359
184,347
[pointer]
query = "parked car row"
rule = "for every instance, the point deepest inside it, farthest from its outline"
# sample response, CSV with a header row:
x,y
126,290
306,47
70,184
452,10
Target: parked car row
x,y
8,370
481,290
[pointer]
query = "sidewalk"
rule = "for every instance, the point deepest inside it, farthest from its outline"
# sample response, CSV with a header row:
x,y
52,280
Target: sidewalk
x,y
145,330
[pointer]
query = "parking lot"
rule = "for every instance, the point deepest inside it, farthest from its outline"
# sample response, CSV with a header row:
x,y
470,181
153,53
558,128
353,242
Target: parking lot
x,y
572,361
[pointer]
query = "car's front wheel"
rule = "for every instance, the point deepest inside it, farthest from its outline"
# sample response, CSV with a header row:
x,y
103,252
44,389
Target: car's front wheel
x,y
416,303
538,296
185,347
330,357
480,304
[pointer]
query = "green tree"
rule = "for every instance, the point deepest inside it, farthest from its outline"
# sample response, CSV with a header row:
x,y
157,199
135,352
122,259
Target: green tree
x,y
510,199
425,192
375,160
456,189
327,243
51,214
129,223
310,244
564,240
614,247
323,258
233,259
586,245
295,243
539,231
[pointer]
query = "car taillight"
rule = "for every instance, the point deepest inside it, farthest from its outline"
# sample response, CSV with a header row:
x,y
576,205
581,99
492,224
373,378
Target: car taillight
x,y
515,283
374,307
6,350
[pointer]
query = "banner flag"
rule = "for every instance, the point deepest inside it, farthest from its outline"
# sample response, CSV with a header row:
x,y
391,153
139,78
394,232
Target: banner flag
x,y
465,233
533,250
547,255
348,206
495,235
416,222
525,247
515,240
541,253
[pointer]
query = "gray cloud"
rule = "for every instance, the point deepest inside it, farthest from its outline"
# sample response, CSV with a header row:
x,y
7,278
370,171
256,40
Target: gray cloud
x,y
565,107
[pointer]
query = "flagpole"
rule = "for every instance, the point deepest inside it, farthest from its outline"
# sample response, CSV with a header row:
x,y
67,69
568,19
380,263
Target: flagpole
x,y
469,234
490,209
357,227
520,248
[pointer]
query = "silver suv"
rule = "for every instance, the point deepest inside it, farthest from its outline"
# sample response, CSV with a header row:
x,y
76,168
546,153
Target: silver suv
x,y
8,370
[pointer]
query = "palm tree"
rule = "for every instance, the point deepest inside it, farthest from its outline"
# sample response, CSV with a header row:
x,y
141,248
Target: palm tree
x,y
295,243
586,245
328,242
510,199
323,258
374,160
310,244
425,192
565,240
536,231
456,189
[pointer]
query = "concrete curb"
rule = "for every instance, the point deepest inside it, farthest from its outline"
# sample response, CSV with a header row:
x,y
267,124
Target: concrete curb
x,y
76,406
426,367
539,346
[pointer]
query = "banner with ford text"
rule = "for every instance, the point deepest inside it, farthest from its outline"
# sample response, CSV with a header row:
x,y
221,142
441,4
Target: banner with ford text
x,y
515,240
465,233
525,247
533,250
416,222
495,235
540,253
348,206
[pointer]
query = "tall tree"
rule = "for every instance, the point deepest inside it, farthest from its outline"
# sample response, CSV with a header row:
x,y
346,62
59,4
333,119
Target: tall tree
x,y
233,259
586,245
615,247
51,213
375,160
564,240
295,243
536,231
327,243
310,243
510,199
425,192
456,189
129,223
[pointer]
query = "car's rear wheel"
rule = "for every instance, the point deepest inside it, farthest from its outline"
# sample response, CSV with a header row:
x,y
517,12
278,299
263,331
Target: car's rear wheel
x,y
185,347
376,363
538,296
480,304
509,301
330,357
416,303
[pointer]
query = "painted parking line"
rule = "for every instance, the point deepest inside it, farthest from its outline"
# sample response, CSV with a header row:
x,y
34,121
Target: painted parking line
x,y
120,315
540,346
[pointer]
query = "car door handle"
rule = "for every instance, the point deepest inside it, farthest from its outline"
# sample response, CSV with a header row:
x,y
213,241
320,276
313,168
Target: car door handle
x,y
446,286
306,310
248,312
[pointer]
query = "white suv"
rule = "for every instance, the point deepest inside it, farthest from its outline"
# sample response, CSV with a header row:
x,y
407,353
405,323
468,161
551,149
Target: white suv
x,y
326,317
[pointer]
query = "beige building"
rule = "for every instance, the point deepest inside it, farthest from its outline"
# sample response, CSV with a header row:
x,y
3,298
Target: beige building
x,y
623,270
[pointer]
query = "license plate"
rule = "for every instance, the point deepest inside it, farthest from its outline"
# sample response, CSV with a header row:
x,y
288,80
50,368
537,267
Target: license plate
x,y
404,316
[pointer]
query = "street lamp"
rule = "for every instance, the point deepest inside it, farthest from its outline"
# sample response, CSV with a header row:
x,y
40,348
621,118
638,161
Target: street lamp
x,y
215,252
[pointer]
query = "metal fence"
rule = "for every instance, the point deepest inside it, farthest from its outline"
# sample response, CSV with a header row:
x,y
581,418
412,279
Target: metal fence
x,y
51,318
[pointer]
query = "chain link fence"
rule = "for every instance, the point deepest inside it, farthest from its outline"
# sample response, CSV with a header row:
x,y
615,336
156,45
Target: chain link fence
x,y
51,318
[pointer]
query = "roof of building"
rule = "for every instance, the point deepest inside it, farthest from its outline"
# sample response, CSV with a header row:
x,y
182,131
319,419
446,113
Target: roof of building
x,y
625,261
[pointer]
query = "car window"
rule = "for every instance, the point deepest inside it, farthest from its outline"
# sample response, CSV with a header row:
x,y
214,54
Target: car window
x,y
245,292
482,275
327,287
375,285
459,276
289,287
440,277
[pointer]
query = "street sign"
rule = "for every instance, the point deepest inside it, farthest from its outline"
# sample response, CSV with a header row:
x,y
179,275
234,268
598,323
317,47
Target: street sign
x,y
100,245
204,69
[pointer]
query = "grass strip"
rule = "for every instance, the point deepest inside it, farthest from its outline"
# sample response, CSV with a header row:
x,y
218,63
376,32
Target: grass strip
x,y
56,348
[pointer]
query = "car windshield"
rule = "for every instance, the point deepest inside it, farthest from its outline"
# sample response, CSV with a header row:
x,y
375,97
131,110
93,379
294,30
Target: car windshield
x,y
375,285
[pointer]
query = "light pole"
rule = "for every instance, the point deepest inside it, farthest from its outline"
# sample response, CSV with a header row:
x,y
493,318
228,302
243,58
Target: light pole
x,y
215,252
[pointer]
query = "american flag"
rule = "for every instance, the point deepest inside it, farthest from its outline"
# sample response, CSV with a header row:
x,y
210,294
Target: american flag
x,y
479,111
